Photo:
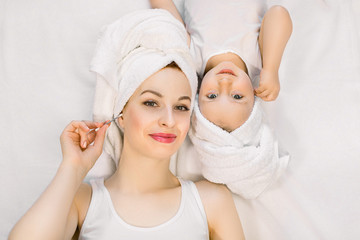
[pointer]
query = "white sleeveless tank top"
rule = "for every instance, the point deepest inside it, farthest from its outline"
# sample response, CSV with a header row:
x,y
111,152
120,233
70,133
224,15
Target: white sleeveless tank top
x,y
103,222
218,26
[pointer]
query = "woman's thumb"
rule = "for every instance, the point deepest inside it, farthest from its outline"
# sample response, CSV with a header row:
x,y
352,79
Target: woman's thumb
x,y
100,136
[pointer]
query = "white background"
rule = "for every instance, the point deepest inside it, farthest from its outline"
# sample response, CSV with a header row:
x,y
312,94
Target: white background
x,y
45,51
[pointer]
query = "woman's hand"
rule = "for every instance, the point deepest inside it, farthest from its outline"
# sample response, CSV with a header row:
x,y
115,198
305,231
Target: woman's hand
x,y
80,146
269,85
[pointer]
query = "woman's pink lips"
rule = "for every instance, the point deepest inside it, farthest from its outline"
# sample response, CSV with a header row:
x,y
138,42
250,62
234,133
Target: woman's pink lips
x,y
227,71
163,137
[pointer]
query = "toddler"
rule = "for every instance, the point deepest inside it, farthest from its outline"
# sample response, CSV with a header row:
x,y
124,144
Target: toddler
x,y
237,46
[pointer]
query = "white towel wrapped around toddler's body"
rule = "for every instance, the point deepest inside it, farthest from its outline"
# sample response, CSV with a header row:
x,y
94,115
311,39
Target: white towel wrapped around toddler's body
x,y
247,159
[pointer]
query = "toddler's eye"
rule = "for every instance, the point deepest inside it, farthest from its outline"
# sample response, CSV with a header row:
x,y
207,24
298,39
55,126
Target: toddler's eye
x,y
237,96
150,104
212,95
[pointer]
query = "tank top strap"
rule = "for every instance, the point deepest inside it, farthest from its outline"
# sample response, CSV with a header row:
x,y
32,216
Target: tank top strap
x,y
193,197
97,198
97,186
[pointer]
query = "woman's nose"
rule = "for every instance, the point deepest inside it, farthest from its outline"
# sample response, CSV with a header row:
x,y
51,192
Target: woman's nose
x,y
167,117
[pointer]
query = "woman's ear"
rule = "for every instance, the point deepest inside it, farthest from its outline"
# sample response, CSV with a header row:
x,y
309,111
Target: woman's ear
x,y
121,120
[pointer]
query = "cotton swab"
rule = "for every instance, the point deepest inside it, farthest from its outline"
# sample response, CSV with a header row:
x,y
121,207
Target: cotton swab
x,y
106,123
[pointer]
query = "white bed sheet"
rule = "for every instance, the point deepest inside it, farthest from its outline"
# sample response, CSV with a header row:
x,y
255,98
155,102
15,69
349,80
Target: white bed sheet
x,y
45,50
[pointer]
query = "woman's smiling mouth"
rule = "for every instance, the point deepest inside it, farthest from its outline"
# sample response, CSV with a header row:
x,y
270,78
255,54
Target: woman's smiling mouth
x,y
163,137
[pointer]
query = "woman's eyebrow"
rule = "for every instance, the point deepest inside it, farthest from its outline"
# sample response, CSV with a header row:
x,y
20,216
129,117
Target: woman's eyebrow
x,y
160,95
185,98
153,92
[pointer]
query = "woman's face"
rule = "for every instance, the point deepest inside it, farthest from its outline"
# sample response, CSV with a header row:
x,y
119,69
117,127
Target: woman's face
x,y
156,118
226,96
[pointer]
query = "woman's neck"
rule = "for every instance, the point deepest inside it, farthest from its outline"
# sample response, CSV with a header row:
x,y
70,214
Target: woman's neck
x,y
231,57
138,173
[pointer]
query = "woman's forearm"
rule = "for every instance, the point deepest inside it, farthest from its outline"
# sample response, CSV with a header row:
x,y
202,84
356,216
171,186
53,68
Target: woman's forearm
x,y
47,218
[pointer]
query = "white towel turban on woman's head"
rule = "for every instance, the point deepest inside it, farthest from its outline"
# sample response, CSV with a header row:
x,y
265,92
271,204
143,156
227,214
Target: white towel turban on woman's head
x,y
128,52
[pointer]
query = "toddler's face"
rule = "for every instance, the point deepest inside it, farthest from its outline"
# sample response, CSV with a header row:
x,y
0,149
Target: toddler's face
x,y
226,96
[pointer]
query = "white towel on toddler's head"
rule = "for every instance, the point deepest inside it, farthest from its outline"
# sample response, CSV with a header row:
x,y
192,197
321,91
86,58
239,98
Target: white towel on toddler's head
x,y
247,159
129,51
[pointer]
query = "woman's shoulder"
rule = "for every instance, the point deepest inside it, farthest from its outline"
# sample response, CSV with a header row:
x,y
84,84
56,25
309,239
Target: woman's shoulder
x,y
221,213
213,194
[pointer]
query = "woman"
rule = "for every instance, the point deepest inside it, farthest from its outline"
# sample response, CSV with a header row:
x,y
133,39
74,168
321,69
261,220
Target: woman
x,y
142,199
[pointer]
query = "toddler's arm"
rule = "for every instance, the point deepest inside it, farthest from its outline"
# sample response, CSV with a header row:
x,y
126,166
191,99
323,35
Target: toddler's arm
x,y
169,6
275,31
55,214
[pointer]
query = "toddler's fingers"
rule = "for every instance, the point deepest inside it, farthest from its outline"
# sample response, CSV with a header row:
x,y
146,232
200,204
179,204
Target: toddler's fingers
x,y
260,89
263,94
272,97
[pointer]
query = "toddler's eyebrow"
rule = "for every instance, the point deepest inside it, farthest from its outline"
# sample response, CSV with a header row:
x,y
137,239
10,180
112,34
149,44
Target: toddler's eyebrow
x,y
160,95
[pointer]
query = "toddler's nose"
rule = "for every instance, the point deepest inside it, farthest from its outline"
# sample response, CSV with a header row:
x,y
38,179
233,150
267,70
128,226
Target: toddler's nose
x,y
226,80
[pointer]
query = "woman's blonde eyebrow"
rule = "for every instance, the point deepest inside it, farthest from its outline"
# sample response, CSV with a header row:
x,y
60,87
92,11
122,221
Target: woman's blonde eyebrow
x,y
160,95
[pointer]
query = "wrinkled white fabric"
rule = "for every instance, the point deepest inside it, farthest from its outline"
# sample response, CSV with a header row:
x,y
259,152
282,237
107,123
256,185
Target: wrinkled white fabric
x,y
103,222
247,159
218,27
129,51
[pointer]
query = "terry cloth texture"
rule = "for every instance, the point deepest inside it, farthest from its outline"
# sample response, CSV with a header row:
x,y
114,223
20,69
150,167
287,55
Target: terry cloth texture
x,y
129,51
247,159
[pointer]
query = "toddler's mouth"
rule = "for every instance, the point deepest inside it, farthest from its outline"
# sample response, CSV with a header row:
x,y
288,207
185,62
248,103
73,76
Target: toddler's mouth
x,y
227,71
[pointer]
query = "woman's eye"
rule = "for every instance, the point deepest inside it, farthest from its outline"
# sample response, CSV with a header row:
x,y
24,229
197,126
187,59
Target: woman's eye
x,y
150,104
212,95
237,96
182,108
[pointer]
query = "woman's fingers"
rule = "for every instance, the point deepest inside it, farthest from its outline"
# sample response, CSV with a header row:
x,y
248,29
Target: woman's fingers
x,y
88,132
84,128
91,134
100,136
94,150
75,146
91,125
82,131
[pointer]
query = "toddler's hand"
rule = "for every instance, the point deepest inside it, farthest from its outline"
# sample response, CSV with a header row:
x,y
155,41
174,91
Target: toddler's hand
x,y
269,85
77,147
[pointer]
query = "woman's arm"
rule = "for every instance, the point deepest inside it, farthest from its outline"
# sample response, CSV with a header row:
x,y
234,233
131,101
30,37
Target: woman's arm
x,y
221,213
169,6
55,214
